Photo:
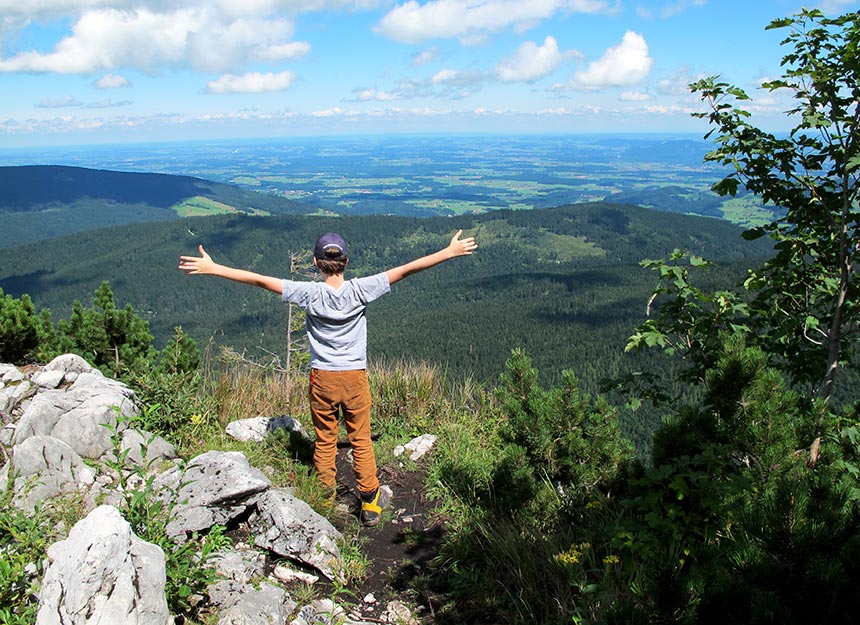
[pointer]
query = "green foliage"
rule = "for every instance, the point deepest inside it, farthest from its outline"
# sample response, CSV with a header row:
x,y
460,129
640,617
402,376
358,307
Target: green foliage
x,y
23,541
114,340
556,436
180,355
82,199
178,401
558,301
795,558
24,335
689,320
731,496
522,468
188,562
805,306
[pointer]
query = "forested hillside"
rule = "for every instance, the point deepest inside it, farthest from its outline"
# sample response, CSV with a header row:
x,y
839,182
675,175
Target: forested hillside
x,y
563,283
41,202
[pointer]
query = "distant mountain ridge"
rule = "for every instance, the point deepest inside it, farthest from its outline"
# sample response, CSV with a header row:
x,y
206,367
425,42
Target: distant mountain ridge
x,y
39,202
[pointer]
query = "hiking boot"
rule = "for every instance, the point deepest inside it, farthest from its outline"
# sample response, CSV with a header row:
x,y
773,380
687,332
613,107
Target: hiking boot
x,y
372,505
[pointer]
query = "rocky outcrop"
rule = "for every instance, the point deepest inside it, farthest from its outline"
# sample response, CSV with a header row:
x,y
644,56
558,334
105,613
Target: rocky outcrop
x,y
289,527
214,488
66,428
103,574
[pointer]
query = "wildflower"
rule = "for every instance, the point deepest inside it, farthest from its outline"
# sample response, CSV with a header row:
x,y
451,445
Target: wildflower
x,y
570,557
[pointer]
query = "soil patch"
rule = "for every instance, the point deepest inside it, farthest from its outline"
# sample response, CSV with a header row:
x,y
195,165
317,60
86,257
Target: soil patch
x,y
401,547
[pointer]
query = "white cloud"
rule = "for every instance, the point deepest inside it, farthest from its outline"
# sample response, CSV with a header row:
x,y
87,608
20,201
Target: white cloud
x,y
108,104
681,6
626,64
215,46
832,8
335,111
285,51
202,38
57,103
662,109
111,81
531,62
456,78
374,94
42,9
678,84
456,84
634,96
412,22
47,9
254,82
425,56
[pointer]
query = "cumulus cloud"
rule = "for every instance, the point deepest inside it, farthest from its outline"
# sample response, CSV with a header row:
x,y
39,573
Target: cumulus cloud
x,y
412,22
623,65
335,111
111,81
254,82
49,9
200,37
531,62
58,103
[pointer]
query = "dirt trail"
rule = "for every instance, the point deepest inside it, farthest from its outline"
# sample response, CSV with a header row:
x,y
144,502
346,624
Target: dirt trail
x,y
400,548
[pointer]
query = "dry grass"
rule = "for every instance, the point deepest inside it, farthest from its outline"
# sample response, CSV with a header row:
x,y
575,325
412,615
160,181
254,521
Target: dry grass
x,y
245,389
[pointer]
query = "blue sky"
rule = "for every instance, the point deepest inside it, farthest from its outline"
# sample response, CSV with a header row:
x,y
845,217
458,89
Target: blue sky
x,y
107,71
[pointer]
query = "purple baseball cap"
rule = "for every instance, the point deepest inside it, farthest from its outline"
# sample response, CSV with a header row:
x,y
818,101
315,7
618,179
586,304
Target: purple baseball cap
x,y
330,246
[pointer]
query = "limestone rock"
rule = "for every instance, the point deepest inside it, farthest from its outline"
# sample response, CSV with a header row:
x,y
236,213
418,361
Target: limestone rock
x,y
214,488
289,527
103,574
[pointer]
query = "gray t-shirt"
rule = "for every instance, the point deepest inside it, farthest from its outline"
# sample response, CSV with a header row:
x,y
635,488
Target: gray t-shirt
x,y
336,323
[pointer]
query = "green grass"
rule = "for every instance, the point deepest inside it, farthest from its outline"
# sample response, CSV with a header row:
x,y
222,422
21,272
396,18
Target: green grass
x,y
200,206
746,211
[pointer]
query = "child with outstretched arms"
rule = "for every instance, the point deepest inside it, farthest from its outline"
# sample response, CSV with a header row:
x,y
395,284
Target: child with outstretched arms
x,y
337,333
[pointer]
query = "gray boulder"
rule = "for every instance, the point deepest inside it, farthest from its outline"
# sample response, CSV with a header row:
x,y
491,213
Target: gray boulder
x,y
44,467
48,379
289,527
258,428
242,565
103,574
138,441
243,604
79,415
212,489
70,364
10,374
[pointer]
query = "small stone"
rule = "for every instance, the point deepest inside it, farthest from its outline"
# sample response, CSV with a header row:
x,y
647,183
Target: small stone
x,y
286,575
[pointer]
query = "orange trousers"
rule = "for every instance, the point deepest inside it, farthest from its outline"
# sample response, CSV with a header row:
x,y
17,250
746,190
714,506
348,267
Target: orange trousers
x,y
333,392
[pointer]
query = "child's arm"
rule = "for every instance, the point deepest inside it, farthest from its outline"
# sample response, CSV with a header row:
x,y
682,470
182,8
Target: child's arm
x,y
204,265
457,247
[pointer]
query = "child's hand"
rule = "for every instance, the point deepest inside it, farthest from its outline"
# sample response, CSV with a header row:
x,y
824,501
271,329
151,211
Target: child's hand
x,y
462,247
194,265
